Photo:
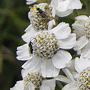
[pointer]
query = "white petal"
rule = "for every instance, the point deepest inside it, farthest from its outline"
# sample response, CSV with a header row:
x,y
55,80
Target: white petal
x,y
48,85
81,42
63,79
81,64
30,1
61,58
75,4
68,74
44,87
63,5
78,29
61,31
75,75
51,24
18,86
85,52
32,65
24,72
81,18
70,66
23,52
30,31
30,86
67,43
53,11
48,69
71,86
64,14
54,2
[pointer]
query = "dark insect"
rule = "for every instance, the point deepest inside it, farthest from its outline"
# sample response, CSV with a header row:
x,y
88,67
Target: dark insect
x,y
42,13
31,47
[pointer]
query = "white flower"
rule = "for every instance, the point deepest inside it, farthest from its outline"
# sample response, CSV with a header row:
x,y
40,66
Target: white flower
x,y
34,80
41,15
79,80
82,29
45,50
65,7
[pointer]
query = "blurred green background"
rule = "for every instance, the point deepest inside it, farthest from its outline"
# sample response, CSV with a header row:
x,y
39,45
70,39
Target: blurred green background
x,y
13,21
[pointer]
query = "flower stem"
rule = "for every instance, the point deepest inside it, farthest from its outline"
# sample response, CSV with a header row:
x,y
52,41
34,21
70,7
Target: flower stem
x,y
76,13
59,85
1,62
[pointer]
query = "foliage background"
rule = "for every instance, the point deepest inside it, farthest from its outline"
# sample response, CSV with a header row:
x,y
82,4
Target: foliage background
x,y
13,21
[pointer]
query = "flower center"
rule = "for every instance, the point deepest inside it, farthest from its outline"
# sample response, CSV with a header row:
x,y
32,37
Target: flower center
x,y
45,45
87,28
34,78
84,79
40,15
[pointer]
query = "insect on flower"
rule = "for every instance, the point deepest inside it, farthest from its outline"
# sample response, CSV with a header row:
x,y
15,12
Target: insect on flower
x,y
31,47
41,12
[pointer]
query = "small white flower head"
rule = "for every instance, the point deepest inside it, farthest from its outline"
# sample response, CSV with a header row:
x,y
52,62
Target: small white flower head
x,y
45,45
34,78
32,81
82,26
82,66
40,15
45,49
82,29
84,79
79,79
87,28
65,7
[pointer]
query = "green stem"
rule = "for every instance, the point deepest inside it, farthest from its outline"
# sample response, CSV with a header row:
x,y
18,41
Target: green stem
x,y
1,62
59,85
76,13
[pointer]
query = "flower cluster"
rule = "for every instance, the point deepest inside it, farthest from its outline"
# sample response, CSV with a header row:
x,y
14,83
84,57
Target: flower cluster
x,y
48,44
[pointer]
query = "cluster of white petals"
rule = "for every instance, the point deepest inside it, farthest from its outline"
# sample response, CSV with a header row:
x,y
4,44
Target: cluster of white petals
x,y
65,7
48,44
82,29
28,85
62,7
78,79
49,67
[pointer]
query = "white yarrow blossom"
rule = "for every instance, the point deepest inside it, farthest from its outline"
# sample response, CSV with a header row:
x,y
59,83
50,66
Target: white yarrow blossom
x,y
45,50
41,16
79,80
65,7
33,80
82,29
